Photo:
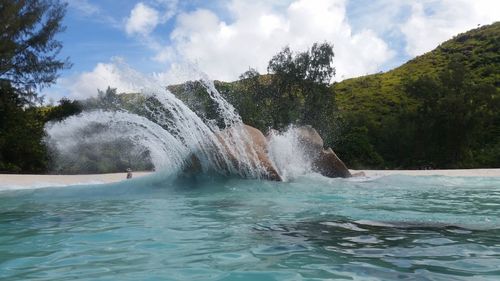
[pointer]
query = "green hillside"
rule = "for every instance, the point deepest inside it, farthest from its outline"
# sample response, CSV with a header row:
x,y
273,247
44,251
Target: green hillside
x,y
383,93
410,116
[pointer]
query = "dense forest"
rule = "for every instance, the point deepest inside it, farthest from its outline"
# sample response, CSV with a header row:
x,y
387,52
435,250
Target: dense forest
x,y
439,110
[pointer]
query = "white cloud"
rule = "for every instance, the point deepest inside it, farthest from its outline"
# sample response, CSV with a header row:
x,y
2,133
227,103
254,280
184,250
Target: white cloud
x,y
85,7
224,50
168,7
380,15
118,74
142,20
432,22
93,12
259,29
103,75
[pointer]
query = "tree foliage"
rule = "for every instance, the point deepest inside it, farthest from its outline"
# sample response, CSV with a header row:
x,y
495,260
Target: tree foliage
x,y
300,85
452,115
437,110
28,62
314,65
28,48
21,133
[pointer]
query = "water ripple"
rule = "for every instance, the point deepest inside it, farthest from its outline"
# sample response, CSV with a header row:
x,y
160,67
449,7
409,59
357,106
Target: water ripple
x,y
429,228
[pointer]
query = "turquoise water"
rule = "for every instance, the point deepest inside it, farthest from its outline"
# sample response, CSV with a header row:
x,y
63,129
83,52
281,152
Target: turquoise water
x,y
314,228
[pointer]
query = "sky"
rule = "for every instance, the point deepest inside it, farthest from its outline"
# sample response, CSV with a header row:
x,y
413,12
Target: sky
x,y
165,39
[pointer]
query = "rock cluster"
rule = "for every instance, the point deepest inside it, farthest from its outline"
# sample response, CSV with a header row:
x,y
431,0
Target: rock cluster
x,y
257,142
324,161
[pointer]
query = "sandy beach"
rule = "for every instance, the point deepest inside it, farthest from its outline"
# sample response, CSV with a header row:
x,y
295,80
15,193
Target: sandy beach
x,y
448,173
8,180
19,181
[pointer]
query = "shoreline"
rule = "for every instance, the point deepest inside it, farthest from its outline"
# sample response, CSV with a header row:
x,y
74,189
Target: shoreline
x,y
494,172
31,180
8,181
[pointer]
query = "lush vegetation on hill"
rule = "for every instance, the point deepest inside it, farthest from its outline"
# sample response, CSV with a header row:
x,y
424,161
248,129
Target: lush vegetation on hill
x,y
439,109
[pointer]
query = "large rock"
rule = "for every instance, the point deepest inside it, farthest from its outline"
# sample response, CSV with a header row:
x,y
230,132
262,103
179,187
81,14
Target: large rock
x,y
256,149
329,165
310,140
260,145
324,161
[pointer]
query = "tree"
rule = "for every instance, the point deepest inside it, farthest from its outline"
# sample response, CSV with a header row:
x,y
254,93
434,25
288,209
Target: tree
x,y
301,83
28,48
28,62
453,114
65,109
314,65
21,132
295,91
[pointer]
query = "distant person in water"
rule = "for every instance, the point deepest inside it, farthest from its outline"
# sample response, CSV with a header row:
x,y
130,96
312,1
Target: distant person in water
x,y
129,173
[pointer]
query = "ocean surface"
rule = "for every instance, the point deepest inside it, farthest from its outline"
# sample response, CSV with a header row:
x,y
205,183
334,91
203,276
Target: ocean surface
x,y
212,228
